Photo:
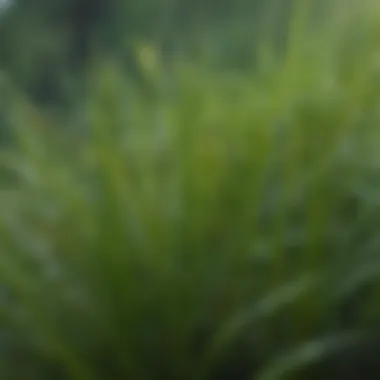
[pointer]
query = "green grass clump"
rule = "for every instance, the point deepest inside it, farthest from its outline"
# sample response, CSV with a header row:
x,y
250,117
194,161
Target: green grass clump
x,y
225,228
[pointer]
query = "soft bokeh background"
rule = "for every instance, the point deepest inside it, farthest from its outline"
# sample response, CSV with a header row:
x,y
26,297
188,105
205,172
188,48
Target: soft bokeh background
x,y
189,189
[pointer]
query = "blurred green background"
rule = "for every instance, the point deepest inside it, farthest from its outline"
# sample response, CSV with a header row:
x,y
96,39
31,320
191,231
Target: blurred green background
x,y
47,46
189,189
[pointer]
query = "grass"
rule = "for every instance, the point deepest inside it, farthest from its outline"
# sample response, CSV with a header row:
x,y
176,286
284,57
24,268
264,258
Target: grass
x,y
225,227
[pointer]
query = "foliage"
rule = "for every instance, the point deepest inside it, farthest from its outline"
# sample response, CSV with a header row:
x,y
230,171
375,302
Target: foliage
x,y
223,227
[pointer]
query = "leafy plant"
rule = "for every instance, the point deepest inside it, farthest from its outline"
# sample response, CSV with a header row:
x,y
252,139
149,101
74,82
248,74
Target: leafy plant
x,y
225,227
